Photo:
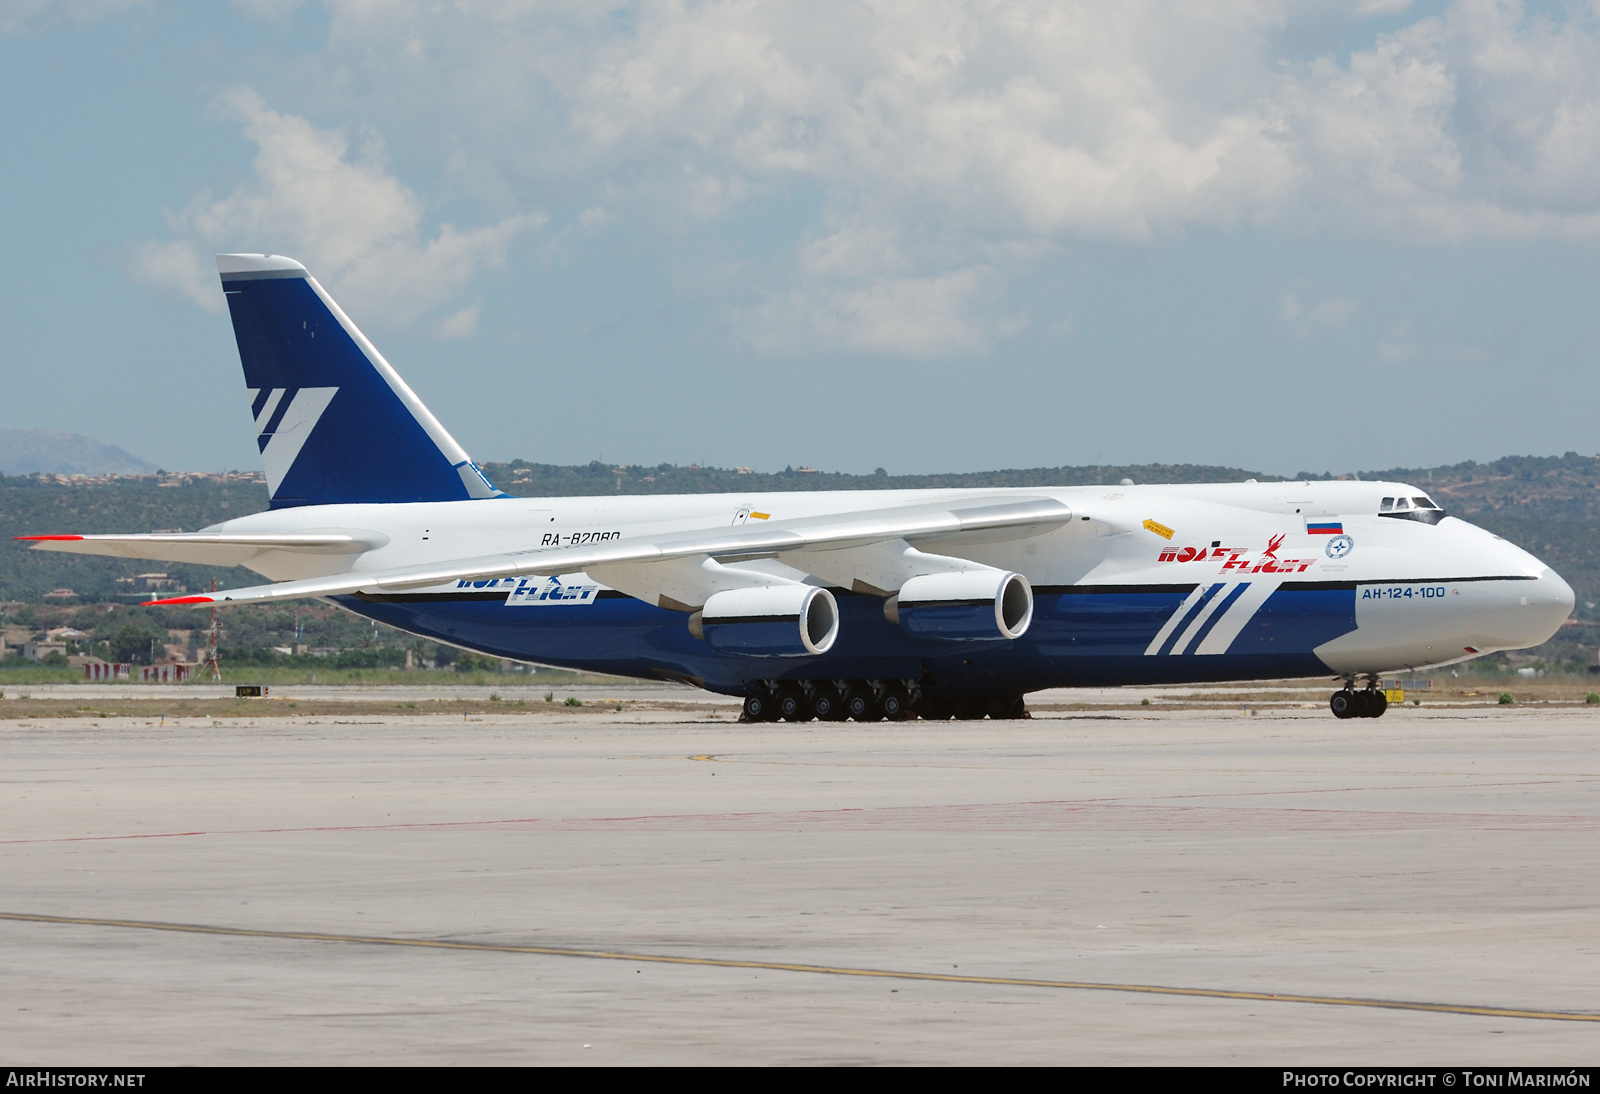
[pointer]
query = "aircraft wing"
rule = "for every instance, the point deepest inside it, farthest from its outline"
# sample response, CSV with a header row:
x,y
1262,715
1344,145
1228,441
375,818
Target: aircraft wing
x,y
969,520
206,548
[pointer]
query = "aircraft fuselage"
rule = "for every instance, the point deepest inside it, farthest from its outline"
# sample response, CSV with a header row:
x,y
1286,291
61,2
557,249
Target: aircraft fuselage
x,y
1145,584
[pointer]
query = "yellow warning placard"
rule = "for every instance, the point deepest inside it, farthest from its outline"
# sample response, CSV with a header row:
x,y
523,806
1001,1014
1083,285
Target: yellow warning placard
x,y
1158,528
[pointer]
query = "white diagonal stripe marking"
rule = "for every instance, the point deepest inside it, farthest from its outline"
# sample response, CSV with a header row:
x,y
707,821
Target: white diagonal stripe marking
x,y
293,432
266,411
1240,612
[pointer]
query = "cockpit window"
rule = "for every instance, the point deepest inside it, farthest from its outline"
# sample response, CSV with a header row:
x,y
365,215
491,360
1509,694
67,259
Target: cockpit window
x,y
1424,510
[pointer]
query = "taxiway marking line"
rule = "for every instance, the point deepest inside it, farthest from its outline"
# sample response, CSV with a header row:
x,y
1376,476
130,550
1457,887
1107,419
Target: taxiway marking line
x,y
783,966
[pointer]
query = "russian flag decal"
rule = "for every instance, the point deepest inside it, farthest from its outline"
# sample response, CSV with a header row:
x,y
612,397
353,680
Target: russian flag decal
x,y
1324,528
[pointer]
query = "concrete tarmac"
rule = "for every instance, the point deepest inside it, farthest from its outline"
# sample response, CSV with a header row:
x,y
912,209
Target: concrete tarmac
x,y
1433,856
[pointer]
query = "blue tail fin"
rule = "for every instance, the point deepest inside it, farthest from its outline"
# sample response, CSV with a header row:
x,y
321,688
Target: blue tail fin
x,y
334,421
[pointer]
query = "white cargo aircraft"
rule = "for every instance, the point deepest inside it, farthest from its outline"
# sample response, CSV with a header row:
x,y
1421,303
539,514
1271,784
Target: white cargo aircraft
x,y
852,604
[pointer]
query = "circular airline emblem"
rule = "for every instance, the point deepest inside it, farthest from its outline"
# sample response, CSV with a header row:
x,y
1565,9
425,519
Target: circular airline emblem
x,y
1339,546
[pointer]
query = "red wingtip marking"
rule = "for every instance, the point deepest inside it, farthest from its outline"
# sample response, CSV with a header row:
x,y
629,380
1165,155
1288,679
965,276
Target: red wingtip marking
x,y
49,537
176,600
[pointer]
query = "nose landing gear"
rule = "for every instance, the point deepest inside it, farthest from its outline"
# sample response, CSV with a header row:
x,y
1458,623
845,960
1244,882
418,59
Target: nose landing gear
x,y
1369,702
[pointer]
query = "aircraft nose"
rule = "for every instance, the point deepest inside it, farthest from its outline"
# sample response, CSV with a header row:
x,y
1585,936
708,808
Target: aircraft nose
x,y
1545,607
1515,614
1555,597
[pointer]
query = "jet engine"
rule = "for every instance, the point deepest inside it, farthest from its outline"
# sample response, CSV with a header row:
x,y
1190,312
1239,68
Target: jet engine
x,y
967,606
769,621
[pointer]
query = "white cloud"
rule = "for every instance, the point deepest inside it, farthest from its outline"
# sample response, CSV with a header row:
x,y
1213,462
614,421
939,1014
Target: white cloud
x,y
356,227
275,10
1333,313
1480,123
915,317
461,324
1382,7
20,16
1330,314
1399,348
177,269
943,146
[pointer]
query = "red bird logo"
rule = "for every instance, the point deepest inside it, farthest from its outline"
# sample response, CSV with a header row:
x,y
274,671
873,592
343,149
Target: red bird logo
x,y
1272,546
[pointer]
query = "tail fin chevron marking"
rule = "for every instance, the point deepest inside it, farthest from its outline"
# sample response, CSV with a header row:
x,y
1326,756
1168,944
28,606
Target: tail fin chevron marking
x,y
334,422
285,437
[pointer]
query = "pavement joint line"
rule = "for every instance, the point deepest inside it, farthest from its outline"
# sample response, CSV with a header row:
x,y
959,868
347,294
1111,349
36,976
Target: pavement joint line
x,y
1087,806
826,970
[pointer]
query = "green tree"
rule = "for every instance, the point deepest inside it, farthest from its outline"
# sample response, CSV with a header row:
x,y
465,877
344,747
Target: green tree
x,y
139,643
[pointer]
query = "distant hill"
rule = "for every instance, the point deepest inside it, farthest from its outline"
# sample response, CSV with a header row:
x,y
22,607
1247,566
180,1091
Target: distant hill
x,y
46,452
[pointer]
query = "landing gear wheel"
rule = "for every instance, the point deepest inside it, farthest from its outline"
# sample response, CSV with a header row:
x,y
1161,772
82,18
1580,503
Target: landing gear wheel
x,y
792,704
1009,708
758,707
895,702
828,704
1343,704
861,704
1377,703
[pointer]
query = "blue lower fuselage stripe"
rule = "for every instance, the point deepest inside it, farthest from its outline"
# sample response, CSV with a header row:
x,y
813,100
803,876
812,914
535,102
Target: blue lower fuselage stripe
x,y
1189,618
1086,637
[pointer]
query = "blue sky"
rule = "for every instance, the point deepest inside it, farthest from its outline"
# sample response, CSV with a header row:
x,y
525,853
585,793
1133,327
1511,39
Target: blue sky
x,y
930,236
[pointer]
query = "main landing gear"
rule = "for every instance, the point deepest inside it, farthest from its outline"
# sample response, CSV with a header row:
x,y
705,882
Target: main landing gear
x,y
1369,702
867,701
830,701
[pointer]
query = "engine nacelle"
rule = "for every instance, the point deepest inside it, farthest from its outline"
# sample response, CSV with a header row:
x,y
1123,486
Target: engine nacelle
x,y
968,606
769,621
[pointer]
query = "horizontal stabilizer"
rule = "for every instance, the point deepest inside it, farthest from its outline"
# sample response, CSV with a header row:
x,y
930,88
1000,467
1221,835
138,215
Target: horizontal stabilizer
x,y
966,520
207,548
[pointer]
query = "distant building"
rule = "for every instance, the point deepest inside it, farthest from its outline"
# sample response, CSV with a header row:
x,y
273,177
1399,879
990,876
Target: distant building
x,y
61,594
162,478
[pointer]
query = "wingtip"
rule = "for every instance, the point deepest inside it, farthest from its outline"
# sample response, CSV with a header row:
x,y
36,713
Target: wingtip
x,y
177,600
67,539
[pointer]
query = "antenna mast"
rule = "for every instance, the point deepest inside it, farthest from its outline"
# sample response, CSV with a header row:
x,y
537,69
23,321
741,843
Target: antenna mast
x,y
211,647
